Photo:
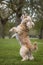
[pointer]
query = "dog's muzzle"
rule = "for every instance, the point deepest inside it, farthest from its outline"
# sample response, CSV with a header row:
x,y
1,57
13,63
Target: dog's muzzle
x,y
30,25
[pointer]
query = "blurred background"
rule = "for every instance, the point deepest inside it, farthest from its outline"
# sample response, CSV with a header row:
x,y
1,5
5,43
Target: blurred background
x,y
10,15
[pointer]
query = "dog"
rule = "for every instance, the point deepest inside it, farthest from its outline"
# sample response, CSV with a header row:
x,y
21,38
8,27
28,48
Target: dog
x,y
21,33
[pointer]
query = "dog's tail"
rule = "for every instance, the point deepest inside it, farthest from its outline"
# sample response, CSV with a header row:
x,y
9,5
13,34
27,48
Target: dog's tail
x,y
35,46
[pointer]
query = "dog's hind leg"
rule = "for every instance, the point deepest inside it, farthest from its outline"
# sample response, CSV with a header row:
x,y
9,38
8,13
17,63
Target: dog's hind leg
x,y
30,56
23,53
25,58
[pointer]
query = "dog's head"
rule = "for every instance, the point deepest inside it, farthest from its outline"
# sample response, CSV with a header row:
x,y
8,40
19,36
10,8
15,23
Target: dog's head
x,y
28,22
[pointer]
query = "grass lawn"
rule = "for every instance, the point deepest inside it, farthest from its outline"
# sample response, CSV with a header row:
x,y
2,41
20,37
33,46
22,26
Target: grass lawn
x,y
9,53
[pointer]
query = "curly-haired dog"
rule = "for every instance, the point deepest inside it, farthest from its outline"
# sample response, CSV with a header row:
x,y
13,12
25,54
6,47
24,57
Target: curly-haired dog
x,y
22,34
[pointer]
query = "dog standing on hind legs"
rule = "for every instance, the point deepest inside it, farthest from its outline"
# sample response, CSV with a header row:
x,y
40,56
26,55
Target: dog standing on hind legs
x,y
22,35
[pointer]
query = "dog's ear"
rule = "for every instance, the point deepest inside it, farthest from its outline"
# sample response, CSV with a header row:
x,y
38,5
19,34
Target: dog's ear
x,y
23,16
24,21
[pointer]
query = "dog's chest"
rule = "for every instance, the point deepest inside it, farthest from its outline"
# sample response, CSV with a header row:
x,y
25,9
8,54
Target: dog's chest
x,y
21,29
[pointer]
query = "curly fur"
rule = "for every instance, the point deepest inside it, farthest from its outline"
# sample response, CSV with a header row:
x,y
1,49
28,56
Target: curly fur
x,y
22,35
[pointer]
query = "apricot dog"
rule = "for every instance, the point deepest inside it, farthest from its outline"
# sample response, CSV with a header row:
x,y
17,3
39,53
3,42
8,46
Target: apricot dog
x,y
22,35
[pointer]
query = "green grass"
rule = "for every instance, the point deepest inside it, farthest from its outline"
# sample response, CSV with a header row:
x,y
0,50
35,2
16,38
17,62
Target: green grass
x,y
9,53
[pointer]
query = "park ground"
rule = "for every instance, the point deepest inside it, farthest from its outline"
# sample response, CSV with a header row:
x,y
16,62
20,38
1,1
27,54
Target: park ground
x,y
9,53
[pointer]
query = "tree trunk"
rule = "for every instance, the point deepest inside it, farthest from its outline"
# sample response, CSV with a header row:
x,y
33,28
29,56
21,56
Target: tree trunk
x,y
41,33
19,11
18,19
3,22
3,31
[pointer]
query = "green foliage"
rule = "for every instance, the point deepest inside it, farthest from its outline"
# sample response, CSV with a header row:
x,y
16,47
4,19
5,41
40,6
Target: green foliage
x,y
38,25
7,27
9,53
17,7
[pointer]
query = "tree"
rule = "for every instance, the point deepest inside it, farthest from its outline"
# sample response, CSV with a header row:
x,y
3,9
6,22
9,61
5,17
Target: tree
x,y
5,12
33,7
16,6
39,12
12,8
